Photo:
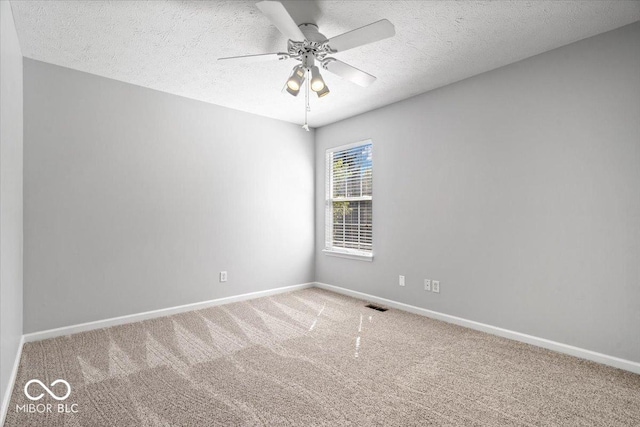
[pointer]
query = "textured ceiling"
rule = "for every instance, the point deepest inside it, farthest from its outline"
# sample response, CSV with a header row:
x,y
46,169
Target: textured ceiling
x,y
172,46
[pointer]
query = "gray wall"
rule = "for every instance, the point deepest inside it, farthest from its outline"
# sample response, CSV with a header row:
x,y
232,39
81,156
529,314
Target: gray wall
x,y
10,195
518,189
135,199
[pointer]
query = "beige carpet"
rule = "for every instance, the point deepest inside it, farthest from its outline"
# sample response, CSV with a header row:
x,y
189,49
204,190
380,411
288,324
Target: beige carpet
x,y
313,357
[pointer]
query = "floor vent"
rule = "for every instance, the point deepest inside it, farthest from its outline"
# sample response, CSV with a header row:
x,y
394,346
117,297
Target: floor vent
x,y
376,307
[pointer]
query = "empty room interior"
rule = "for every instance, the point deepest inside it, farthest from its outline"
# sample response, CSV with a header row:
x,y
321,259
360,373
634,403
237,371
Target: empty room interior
x,y
305,213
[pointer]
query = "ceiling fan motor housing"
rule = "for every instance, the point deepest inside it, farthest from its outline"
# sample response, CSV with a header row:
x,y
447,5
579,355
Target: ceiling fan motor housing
x,y
314,47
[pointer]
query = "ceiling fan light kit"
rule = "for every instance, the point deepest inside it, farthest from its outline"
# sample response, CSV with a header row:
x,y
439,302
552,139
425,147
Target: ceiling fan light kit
x,y
323,92
317,82
307,45
297,78
293,92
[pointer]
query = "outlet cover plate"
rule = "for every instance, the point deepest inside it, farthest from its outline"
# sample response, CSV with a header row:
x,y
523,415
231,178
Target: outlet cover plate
x,y
435,286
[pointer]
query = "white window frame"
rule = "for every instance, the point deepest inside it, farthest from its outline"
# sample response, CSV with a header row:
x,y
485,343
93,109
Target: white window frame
x,y
328,227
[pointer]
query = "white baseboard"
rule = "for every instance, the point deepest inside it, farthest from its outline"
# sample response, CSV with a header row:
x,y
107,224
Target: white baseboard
x,y
616,362
114,321
517,336
12,379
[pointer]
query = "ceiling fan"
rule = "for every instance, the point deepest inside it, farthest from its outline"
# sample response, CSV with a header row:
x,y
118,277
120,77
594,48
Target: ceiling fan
x,y
308,46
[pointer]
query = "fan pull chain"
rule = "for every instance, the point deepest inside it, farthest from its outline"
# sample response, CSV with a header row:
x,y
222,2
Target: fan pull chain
x,y
306,100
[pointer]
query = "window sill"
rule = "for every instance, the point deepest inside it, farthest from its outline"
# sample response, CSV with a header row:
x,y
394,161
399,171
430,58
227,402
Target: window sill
x,y
349,255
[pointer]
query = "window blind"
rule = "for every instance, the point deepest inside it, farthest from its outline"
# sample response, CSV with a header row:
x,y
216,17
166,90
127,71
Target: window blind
x,y
349,199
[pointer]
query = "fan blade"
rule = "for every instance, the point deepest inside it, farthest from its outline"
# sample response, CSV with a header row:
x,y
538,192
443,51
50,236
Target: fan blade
x,y
278,15
348,72
247,59
364,35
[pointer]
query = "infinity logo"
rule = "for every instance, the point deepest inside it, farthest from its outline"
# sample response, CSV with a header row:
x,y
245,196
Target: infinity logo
x,y
52,394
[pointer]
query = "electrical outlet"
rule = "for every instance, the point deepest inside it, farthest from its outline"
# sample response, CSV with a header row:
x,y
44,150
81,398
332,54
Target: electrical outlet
x,y
435,286
223,276
427,284
401,280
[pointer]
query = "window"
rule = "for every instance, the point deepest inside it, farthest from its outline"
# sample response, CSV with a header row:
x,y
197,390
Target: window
x,y
348,212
